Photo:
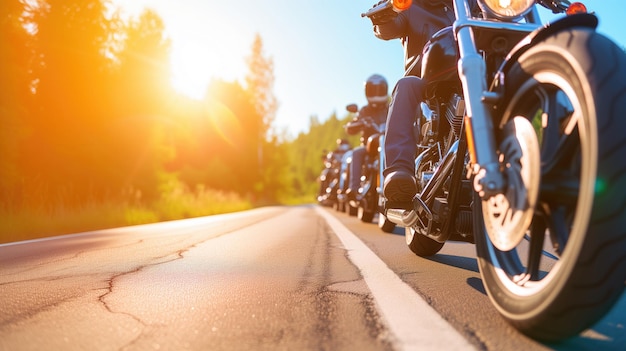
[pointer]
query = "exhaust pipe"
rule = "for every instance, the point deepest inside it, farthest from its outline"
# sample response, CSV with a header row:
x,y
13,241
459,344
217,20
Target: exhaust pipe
x,y
409,218
401,217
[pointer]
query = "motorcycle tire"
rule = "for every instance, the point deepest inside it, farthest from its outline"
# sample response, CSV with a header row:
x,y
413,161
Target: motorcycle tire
x,y
365,215
421,245
351,210
571,87
385,224
338,206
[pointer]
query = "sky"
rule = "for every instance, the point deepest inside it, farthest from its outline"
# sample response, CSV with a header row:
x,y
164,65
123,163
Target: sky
x,y
323,51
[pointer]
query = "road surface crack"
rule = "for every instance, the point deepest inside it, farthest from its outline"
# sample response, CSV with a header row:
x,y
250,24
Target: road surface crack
x,y
109,289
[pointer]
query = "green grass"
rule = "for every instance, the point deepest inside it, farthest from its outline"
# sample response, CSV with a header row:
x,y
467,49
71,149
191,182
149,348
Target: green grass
x,y
45,217
178,203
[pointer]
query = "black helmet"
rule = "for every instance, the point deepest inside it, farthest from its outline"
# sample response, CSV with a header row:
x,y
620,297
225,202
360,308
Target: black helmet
x,y
376,89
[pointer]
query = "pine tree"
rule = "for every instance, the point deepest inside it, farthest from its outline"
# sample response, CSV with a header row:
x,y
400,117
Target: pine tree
x,y
260,83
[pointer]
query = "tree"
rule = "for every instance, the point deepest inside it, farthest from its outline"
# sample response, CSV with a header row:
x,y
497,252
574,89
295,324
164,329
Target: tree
x,y
272,170
141,103
15,94
306,150
144,66
70,82
260,84
219,143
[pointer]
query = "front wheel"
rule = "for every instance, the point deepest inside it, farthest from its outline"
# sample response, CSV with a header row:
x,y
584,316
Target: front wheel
x,y
364,214
385,224
552,248
420,244
352,210
367,206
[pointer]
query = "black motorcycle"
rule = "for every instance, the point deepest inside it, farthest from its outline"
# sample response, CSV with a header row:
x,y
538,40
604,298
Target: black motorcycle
x,y
330,182
343,203
369,199
523,137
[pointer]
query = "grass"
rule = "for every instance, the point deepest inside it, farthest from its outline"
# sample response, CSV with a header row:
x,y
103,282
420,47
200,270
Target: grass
x,y
176,203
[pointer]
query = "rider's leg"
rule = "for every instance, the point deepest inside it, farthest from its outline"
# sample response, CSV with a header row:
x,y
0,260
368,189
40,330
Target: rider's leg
x,y
400,144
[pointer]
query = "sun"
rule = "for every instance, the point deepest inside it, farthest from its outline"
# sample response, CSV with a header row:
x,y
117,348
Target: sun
x,y
197,53
196,58
192,67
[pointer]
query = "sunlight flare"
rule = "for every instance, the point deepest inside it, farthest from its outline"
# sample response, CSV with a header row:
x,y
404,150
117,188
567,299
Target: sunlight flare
x,y
224,121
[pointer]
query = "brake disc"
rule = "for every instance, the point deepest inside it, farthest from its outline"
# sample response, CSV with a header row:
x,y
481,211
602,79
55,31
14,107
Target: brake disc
x,y
507,216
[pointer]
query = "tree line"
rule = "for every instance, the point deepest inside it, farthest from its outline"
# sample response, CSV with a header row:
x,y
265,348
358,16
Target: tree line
x,y
88,114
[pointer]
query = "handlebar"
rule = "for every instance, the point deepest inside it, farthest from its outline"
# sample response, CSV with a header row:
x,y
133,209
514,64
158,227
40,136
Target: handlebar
x,y
377,8
556,6
365,124
396,5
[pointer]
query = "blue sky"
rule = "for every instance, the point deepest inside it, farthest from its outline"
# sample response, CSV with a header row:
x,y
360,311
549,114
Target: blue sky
x,y
322,50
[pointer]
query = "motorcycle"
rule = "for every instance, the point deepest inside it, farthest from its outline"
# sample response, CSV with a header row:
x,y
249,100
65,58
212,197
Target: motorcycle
x,y
369,199
343,203
522,153
330,177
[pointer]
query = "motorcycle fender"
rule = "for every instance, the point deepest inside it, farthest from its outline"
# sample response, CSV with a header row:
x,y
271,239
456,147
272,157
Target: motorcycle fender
x,y
579,20
372,144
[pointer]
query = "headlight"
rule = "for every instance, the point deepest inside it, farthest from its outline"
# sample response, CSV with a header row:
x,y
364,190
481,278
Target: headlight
x,y
506,9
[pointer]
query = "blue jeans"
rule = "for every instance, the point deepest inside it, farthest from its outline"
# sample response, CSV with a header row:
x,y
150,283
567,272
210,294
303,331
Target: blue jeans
x,y
400,142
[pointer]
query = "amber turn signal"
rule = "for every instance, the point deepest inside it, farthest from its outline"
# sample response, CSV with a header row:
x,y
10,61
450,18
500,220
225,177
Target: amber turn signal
x,y
401,5
575,8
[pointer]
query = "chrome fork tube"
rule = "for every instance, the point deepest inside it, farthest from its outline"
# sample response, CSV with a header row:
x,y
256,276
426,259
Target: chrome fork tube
x,y
473,75
381,162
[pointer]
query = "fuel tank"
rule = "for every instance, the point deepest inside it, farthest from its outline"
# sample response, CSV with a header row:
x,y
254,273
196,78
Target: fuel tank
x,y
440,57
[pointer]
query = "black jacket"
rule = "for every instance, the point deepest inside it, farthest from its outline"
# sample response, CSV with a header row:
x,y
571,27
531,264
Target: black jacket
x,y
414,27
378,113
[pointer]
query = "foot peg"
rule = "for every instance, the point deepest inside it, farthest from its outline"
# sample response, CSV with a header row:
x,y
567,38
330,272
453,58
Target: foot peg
x,y
408,218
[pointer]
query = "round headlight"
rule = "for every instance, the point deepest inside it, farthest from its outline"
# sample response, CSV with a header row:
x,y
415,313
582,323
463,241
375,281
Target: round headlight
x,y
506,9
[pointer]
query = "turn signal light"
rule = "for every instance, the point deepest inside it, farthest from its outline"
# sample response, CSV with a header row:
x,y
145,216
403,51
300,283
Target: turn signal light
x,y
401,5
576,8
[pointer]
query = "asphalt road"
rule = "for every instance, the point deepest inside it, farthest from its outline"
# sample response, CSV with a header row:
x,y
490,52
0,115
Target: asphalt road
x,y
275,278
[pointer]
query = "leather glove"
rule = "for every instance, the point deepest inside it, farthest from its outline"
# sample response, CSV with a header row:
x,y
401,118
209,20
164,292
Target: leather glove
x,y
353,127
384,16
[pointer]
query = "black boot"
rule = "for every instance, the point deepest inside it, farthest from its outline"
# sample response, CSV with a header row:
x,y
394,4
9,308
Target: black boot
x,y
399,188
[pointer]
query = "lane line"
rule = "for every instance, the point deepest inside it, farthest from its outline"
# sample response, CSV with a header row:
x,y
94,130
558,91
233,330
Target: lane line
x,y
414,324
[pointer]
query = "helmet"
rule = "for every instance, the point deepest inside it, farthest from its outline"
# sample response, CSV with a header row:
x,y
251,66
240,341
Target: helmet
x,y
376,89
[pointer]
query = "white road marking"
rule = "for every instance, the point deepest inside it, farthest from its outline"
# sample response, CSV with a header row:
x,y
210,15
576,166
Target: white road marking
x,y
414,324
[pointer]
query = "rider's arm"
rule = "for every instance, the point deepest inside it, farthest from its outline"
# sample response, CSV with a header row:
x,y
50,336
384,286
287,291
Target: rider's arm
x,y
396,28
354,126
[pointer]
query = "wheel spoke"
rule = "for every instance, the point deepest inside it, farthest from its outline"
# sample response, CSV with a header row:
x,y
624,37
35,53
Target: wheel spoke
x,y
537,237
560,133
558,227
564,156
560,167
550,115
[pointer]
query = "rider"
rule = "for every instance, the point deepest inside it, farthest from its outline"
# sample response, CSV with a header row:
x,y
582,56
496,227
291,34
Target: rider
x,y
414,27
376,89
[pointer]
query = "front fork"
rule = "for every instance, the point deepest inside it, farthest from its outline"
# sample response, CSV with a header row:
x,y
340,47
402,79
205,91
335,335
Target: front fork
x,y
479,124
381,178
